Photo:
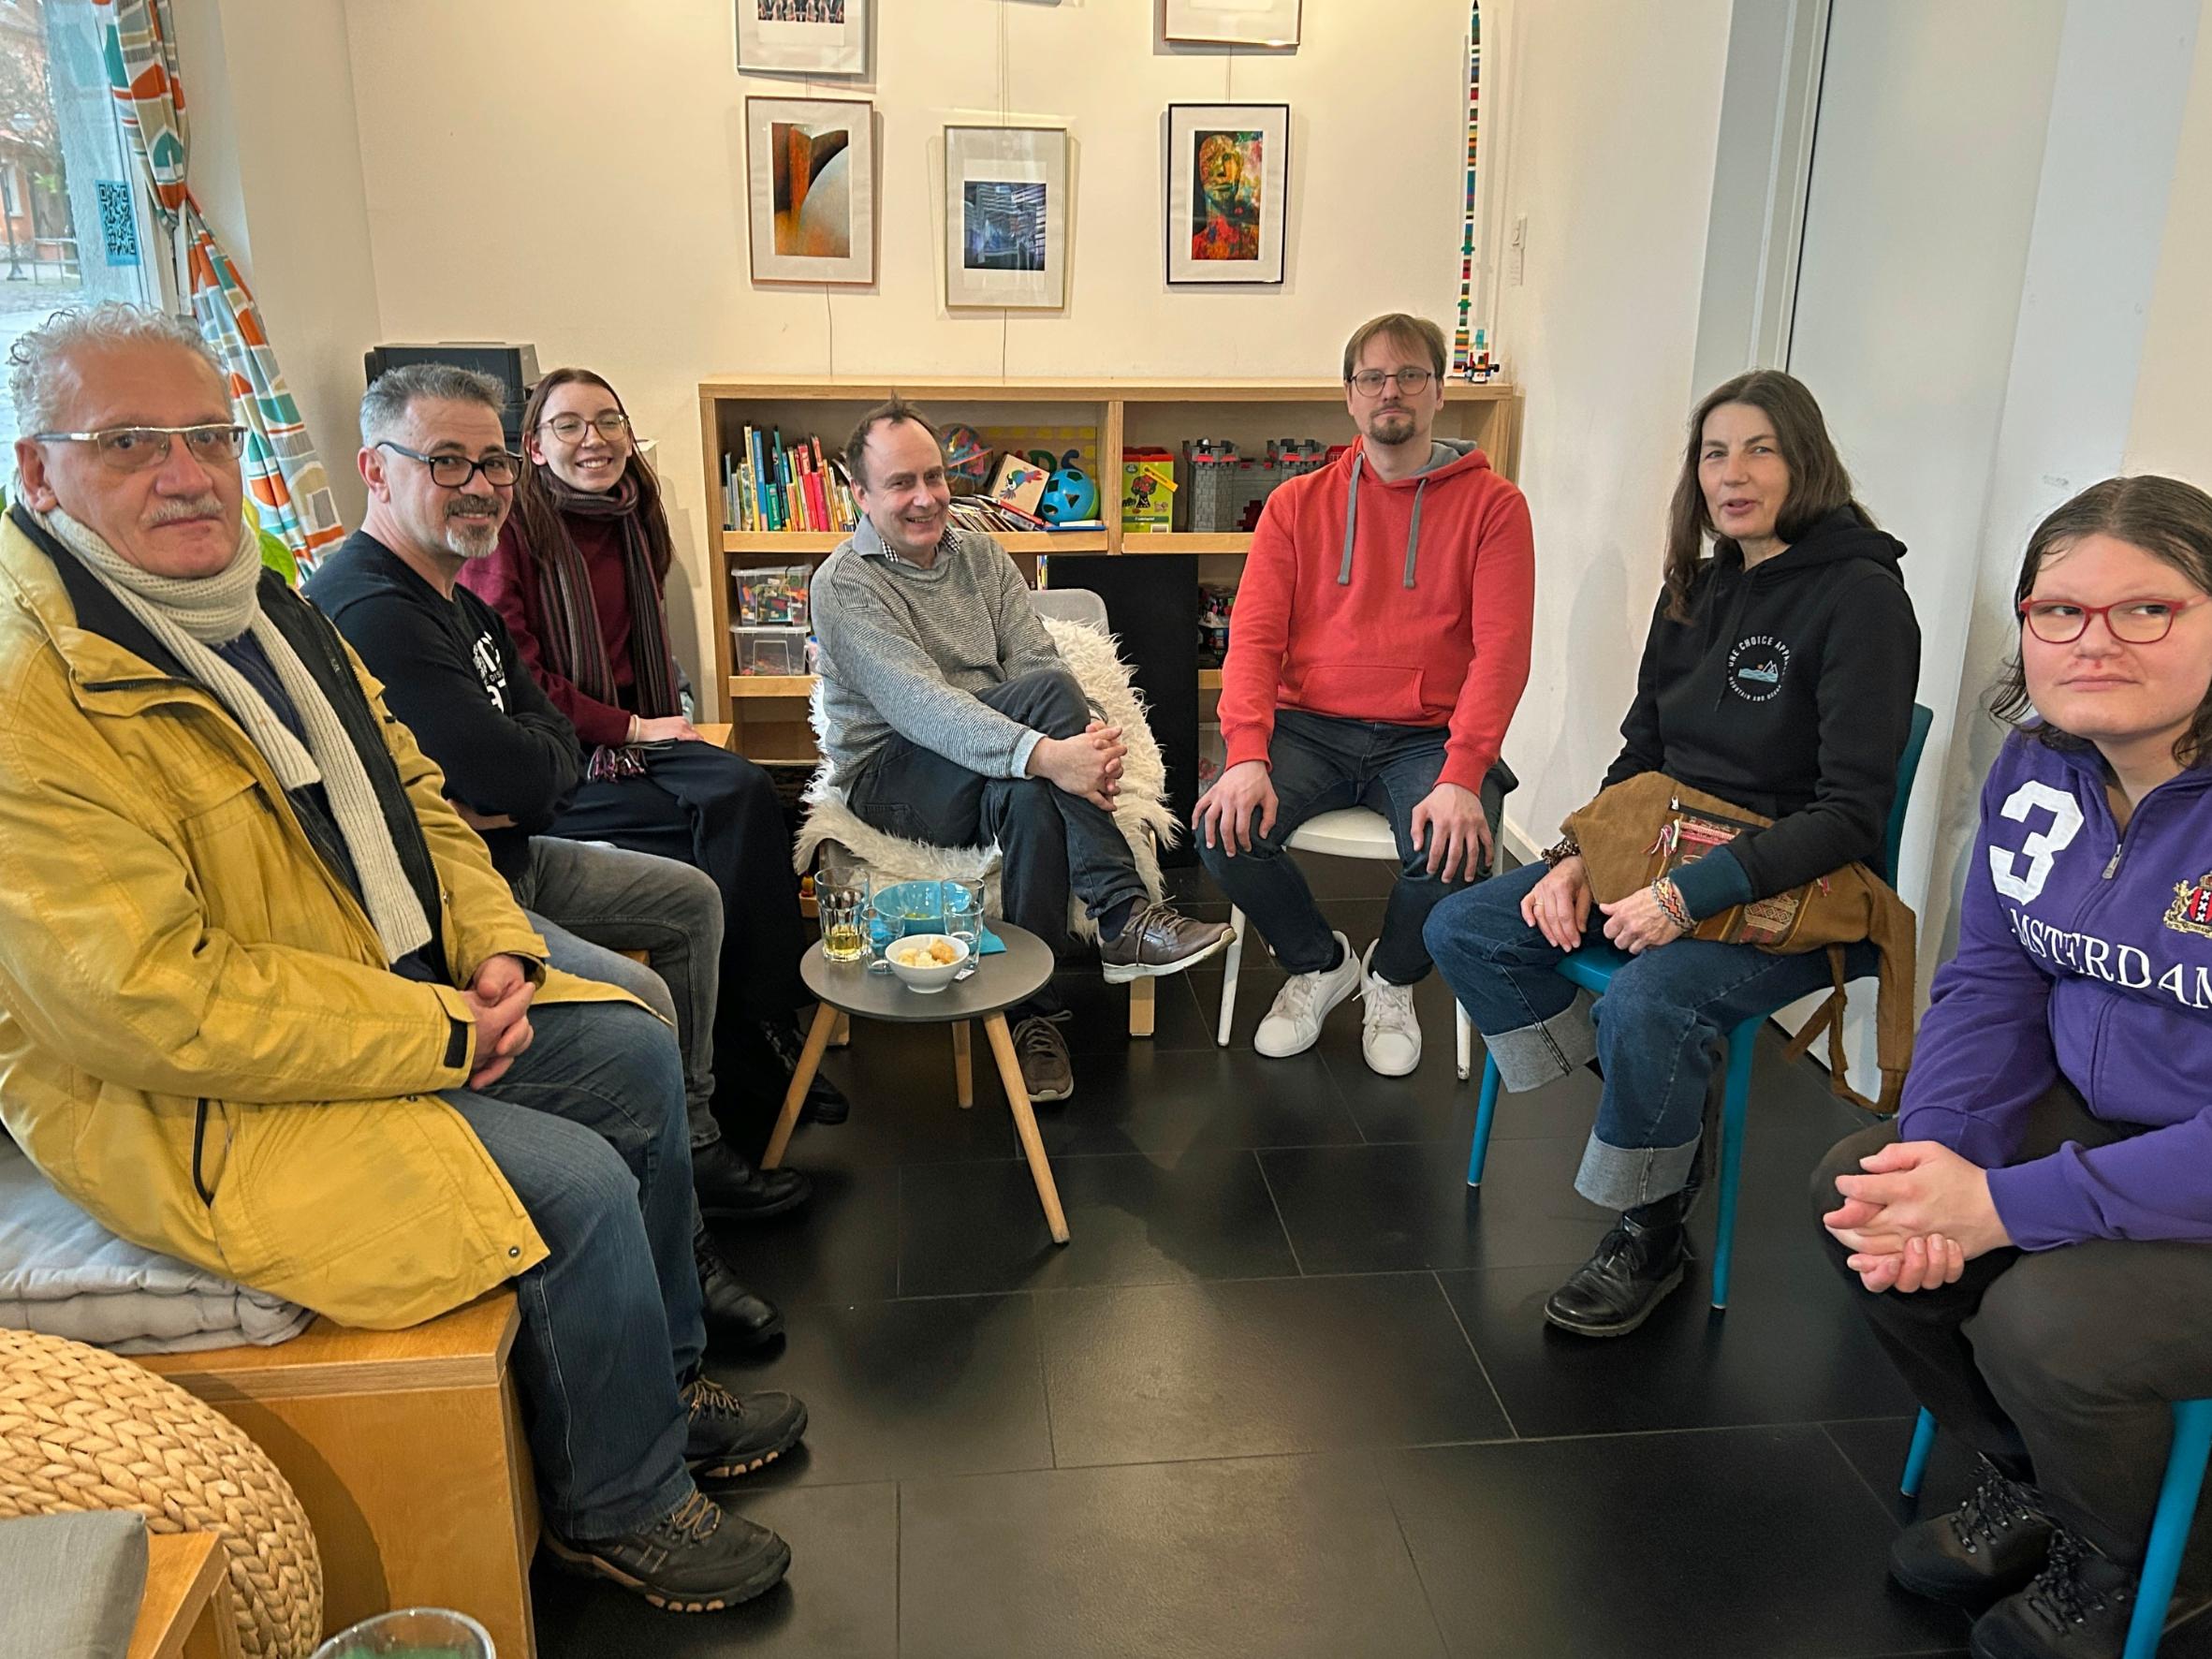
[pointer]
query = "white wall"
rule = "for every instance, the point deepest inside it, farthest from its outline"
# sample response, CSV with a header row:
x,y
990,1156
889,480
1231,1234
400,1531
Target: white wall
x,y
571,173
1612,115
2169,430
276,168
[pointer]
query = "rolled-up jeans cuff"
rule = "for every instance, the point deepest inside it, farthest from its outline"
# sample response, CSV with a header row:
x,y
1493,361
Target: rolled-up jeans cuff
x,y
1622,1177
1531,1056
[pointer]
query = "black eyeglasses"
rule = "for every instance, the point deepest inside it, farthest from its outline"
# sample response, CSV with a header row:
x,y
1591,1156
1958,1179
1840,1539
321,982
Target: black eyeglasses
x,y
453,472
1369,382
140,448
2132,622
569,428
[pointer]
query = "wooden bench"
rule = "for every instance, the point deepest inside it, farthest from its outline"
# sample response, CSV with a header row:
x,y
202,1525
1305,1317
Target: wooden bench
x,y
406,1449
185,1611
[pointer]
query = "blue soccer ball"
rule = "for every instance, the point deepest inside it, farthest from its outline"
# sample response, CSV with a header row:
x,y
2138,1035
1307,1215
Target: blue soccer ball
x,y
1069,495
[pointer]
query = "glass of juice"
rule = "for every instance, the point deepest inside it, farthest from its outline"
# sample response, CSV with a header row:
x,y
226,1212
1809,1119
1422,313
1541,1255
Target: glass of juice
x,y
411,1632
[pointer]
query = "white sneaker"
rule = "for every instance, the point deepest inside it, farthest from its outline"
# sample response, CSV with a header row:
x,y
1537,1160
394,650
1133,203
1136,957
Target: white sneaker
x,y
1390,1037
1293,1025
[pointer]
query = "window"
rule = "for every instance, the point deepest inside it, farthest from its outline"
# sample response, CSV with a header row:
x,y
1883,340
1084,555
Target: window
x,y
72,204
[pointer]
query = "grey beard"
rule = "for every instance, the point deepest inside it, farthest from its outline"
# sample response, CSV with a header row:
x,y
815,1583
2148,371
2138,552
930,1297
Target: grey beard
x,y
470,538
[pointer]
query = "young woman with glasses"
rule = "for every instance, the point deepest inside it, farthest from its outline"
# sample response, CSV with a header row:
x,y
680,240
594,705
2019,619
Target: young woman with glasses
x,y
1779,676
2028,1240
579,576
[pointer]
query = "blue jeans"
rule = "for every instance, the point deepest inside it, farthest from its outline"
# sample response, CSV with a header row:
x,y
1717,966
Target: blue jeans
x,y
1318,764
593,901
588,1128
1657,1031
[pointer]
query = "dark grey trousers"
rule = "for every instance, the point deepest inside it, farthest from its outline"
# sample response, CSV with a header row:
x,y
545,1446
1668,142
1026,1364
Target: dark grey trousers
x,y
2056,1364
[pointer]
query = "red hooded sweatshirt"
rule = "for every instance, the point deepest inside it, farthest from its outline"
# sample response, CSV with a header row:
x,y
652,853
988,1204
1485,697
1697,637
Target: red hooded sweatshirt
x,y
1408,603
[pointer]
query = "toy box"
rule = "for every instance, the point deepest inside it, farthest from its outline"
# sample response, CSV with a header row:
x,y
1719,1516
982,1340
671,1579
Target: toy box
x,y
772,597
768,650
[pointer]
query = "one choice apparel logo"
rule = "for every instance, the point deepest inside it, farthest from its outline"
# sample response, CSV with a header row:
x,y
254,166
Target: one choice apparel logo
x,y
1757,667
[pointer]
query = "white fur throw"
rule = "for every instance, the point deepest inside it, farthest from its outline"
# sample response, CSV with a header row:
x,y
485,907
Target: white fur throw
x,y
1140,811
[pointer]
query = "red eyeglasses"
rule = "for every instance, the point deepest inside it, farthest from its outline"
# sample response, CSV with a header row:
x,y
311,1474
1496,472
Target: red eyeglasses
x,y
2132,622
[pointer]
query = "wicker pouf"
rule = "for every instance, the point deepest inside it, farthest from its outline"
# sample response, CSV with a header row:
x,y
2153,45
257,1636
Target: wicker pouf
x,y
84,1429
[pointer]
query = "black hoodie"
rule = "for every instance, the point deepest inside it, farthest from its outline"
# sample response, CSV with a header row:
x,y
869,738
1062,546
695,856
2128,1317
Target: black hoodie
x,y
1788,691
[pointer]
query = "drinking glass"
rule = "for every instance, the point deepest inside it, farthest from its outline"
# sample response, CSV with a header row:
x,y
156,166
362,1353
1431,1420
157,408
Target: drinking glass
x,y
964,918
839,908
883,929
411,1632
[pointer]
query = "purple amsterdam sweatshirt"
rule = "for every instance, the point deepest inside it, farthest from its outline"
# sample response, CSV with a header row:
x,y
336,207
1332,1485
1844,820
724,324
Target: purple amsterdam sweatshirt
x,y
2087,955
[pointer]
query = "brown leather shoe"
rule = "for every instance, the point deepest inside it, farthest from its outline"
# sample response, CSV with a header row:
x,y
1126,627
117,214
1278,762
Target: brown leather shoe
x,y
1160,939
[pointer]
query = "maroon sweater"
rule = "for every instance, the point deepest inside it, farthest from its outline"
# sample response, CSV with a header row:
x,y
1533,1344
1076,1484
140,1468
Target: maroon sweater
x,y
512,584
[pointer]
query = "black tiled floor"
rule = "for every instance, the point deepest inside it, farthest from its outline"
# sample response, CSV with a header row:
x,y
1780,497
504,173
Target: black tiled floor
x,y
1286,1391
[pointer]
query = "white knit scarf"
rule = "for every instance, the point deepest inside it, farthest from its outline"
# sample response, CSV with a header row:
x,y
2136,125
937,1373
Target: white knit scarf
x,y
188,616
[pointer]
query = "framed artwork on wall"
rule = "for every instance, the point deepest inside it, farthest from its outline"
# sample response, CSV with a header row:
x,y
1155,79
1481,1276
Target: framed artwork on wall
x,y
1005,217
1232,22
809,165
1229,177
802,36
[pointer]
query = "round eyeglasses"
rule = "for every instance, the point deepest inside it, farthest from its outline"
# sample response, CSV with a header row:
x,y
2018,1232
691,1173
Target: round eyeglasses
x,y
1369,382
2132,622
609,425
453,472
140,448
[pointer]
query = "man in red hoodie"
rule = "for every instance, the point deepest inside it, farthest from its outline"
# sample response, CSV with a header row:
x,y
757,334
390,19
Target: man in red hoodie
x,y
1380,646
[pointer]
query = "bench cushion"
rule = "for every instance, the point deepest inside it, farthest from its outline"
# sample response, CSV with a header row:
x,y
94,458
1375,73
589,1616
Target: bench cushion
x,y
62,1274
73,1583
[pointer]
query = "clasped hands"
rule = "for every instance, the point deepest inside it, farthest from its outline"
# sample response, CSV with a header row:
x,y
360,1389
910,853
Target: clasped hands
x,y
1089,765
499,999
1559,907
1917,1216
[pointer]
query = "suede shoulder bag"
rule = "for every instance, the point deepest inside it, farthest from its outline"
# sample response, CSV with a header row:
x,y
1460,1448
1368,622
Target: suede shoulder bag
x,y
1644,828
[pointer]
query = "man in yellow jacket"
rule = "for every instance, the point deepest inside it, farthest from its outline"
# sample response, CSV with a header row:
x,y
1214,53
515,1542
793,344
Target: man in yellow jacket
x,y
266,1006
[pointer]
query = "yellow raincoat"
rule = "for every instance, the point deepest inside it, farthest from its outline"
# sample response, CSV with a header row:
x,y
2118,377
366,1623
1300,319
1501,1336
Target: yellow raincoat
x,y
200,1041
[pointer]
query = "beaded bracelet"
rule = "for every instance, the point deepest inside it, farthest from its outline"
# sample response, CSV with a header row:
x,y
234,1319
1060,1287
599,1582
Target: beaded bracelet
x,y
1669,899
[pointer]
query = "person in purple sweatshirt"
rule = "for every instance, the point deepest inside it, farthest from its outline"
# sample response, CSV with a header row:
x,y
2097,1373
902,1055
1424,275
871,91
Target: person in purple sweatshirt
x,y
2028,1240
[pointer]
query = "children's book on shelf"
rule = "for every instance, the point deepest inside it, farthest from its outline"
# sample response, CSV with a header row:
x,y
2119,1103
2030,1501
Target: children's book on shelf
x,y
773,485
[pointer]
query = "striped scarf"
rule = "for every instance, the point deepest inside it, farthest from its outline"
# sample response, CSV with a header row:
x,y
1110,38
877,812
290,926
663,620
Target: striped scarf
x,y
569,628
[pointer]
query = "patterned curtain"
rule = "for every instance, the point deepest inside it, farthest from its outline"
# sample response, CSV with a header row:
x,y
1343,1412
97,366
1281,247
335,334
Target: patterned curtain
x,y
291,492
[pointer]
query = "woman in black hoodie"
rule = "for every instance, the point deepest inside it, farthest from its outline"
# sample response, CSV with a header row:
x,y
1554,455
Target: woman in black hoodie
x,y
1779,675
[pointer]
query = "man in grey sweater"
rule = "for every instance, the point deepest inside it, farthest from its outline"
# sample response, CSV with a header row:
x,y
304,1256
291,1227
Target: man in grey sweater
x,y
952,720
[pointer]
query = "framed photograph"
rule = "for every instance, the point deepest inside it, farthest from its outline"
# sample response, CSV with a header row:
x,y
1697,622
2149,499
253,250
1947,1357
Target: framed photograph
x,y
802,36
1228,176
1005,215
1233,22
810,166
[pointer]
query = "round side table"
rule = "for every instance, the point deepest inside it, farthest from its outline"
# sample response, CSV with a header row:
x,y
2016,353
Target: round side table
x,y
1000,980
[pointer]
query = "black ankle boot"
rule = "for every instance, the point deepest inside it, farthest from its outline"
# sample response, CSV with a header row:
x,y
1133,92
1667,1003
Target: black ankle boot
x,y
2077,1608
738,1321
1988,1547
730,1189
1637,1264
823,1103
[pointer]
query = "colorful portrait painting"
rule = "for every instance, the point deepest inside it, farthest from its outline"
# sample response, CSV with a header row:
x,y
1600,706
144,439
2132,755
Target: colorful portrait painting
x,y
1226,186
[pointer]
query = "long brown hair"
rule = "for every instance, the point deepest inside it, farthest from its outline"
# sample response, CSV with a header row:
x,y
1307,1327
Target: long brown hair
x,y
541,518
2168,520
1819,483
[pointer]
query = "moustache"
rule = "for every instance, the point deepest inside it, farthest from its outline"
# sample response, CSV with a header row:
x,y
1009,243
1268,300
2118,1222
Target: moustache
x,y
467,508
195,507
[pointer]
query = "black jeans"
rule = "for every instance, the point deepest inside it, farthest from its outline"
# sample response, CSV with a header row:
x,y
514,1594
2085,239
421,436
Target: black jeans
x,y
2056,1364
1052,843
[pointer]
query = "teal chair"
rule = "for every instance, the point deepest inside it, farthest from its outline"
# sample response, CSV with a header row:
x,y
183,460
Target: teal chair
x,y
1593,967
2170,1521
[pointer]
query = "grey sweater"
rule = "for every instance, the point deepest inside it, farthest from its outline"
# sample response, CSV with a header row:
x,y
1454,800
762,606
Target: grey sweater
x,y
905,651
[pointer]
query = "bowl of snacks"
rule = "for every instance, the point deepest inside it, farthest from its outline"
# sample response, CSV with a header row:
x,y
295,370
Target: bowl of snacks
x,y
928,962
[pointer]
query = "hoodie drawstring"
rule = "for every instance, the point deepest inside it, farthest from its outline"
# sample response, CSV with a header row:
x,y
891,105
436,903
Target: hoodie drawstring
x,y
1412,534
1350,523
